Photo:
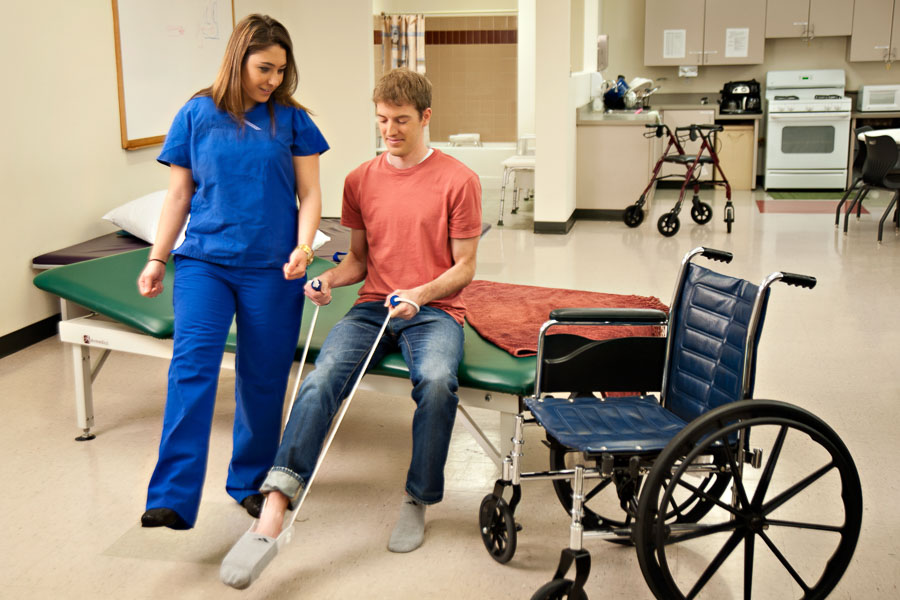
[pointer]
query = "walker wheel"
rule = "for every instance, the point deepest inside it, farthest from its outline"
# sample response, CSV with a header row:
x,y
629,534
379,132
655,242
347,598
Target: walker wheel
x,y
633,215
498,528
668,224
558,589
701,212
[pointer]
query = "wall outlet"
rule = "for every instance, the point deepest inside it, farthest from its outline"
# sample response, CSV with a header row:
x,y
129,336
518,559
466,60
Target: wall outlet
x,y
687,71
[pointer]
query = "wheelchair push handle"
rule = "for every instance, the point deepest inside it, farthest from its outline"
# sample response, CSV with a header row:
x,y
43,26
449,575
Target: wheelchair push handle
x,y
719,255
804,281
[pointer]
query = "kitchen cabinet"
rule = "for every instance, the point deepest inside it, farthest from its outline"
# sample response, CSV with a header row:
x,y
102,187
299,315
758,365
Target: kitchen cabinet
x,y
704,32
737,150
876,31
682,118
614,163
808,18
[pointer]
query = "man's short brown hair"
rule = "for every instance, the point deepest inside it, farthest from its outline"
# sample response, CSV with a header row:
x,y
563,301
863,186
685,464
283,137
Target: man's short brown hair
x,y
402,86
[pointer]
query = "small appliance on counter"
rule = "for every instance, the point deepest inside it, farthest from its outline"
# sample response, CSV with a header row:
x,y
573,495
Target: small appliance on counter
x,y
878,98
740,97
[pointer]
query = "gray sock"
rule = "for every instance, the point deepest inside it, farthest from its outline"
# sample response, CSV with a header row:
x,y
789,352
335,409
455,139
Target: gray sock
x,y
247,559
409,532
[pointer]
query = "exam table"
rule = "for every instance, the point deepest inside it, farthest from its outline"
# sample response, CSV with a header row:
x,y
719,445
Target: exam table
x,y
103,312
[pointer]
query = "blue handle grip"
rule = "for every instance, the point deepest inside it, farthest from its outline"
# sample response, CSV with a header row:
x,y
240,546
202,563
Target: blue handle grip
x,y
395,300
316,284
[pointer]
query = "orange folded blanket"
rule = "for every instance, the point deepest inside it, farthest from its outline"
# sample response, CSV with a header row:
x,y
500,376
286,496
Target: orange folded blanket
x,y
510,315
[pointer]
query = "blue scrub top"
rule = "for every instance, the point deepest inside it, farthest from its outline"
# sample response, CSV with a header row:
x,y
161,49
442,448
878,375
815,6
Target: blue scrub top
x,y
244,208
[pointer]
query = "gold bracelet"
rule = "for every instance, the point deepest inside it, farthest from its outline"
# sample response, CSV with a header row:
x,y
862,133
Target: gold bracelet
x,y
309,253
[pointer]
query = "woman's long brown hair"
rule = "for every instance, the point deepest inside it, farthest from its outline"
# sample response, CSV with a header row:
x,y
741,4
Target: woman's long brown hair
x,y
252,34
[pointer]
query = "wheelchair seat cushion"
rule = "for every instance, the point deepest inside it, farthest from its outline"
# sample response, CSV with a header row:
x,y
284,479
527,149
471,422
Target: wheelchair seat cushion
x,y
621,424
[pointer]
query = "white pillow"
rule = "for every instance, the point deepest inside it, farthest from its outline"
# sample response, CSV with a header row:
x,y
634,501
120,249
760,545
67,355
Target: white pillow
x,y
140,218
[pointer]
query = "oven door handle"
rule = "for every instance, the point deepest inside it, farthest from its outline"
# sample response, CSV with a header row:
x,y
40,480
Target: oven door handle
x,y
819,116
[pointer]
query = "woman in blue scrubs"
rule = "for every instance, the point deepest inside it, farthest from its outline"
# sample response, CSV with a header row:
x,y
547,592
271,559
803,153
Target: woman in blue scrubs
x,y
241,153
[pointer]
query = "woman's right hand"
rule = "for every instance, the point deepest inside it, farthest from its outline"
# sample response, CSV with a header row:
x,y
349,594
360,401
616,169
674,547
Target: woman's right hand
x,y
150,282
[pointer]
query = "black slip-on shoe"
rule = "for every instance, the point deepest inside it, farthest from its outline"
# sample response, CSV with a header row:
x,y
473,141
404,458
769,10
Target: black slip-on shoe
x,y
163,517
253,503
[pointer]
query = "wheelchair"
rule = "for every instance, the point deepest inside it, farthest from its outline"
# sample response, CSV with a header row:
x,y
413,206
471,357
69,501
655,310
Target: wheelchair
x,y
708,484
701,212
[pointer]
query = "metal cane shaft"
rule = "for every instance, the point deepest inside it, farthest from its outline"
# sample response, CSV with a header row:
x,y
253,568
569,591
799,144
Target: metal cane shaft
x,y
312,327
336,423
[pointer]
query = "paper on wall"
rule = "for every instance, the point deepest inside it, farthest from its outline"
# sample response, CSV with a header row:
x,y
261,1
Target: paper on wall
x,y
737,42
674,43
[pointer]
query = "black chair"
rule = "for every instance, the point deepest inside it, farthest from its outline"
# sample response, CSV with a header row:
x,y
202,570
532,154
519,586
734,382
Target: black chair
x,y
859,158
880,171
675,471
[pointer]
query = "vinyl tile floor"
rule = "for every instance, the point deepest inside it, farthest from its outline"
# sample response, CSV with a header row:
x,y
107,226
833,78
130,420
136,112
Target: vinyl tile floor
x,y
69,511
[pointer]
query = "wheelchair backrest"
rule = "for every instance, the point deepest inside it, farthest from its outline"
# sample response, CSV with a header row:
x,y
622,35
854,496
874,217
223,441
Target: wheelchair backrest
x,y
709,327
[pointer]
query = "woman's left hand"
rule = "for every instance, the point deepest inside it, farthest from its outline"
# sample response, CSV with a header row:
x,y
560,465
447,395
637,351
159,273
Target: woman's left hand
x,y
295,268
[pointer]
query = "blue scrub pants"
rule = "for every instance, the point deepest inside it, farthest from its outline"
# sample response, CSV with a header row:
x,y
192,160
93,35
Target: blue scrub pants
x,y
267,310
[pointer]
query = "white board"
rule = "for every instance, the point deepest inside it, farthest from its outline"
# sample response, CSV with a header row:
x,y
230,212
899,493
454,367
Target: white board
x,y
166,50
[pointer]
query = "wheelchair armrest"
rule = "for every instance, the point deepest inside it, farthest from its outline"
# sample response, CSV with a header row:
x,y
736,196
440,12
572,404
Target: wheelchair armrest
x,y
609,316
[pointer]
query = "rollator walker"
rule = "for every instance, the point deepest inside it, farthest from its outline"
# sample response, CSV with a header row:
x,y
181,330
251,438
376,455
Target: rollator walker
x,y
701,212
710,485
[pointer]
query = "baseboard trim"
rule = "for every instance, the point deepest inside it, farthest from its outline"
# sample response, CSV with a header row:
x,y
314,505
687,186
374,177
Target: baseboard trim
x,y
598,214
32,334
555,227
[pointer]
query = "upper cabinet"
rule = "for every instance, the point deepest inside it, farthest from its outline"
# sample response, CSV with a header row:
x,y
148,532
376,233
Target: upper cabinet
x,y
808,18
872,37
704,32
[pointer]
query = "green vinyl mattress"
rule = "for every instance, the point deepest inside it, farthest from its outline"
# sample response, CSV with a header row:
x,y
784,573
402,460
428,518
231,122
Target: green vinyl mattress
x,y
108,286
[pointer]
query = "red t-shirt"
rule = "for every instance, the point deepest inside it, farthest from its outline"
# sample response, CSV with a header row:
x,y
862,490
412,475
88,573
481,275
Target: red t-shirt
x,y
409,216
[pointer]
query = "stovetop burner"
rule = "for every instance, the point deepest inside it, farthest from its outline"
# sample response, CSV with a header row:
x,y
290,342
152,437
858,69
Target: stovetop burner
x,y
787,97
828,97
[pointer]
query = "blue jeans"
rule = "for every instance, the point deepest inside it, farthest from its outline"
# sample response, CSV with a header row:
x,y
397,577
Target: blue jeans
x,y
267,310
431,343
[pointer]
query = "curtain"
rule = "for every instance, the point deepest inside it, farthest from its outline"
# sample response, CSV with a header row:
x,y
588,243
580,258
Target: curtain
x,y
403,42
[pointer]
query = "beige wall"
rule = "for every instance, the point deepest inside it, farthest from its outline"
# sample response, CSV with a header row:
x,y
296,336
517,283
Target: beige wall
x,y
62,166
623,21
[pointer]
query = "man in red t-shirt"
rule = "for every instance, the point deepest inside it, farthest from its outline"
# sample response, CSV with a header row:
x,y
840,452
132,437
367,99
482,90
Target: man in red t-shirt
x,y
415,219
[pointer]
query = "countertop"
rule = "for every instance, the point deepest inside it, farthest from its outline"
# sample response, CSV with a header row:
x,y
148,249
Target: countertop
x,y
857,114
585,116
708,101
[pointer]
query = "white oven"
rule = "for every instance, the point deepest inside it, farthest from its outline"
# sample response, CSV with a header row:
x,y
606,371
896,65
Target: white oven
x,y
807,150
807,129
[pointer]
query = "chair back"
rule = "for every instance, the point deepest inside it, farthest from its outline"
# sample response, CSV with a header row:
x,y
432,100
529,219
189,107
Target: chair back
x,y
710,361
881,159
859,149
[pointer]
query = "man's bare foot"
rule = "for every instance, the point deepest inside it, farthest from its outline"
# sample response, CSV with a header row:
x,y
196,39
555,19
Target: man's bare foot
x,y
271,519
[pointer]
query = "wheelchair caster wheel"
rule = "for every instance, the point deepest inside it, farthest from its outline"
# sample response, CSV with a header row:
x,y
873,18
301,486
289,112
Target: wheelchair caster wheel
x,y
701,213
633,215
558,589
498,528
668,224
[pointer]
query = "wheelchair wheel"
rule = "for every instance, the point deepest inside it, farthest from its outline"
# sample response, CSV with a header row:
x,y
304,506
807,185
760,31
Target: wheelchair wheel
x,y
633,215
701,212
796,525
668,224
498,528
604,511
558,589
